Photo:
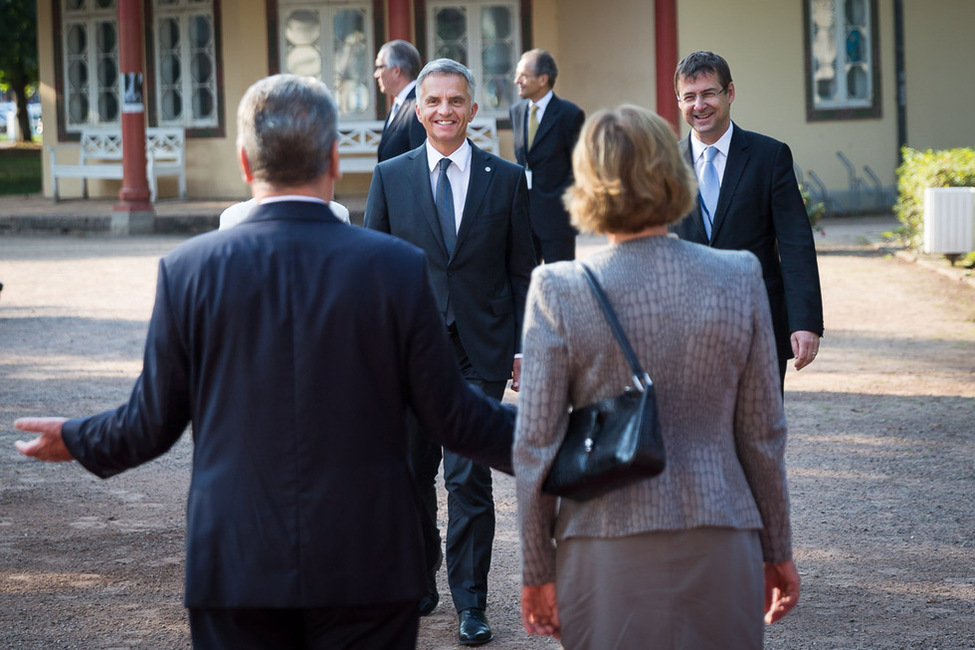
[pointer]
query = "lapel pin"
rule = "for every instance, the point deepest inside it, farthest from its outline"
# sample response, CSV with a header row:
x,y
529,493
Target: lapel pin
x,y
487,169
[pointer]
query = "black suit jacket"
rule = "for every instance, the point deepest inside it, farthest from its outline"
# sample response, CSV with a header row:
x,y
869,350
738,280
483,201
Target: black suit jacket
x,y
487,277
403,133
550,161
760,210
293,343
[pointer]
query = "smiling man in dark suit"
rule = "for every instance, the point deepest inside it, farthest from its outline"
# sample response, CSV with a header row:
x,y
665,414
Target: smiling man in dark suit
x,y
397,65
468,210
545,129
293,344
749,200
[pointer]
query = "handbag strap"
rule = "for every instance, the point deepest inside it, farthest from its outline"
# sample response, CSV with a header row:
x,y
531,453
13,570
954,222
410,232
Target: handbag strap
x,y
640,377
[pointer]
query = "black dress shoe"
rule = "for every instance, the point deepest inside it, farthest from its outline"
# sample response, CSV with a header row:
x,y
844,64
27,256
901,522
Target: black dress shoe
x,y
474,628
429,603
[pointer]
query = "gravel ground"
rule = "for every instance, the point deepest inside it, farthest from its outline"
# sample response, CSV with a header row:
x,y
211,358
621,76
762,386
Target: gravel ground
x,y
881,459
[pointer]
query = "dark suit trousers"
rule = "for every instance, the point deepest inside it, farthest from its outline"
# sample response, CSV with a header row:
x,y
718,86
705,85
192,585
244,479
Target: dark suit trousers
x,y
470,504
373,627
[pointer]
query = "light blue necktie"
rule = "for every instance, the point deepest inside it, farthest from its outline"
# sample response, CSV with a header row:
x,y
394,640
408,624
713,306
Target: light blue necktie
x,y
445,208
710,188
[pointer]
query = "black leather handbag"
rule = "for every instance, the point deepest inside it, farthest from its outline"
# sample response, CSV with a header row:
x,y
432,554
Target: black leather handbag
x,y
615,441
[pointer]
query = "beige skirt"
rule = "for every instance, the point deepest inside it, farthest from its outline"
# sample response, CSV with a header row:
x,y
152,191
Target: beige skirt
x,y
696,590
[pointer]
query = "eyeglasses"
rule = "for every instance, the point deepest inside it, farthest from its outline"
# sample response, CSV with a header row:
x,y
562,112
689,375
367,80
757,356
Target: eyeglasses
x,y
381,66
525,77
706,96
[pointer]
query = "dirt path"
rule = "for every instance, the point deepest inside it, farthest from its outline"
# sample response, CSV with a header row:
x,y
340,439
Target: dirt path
x,y
881,457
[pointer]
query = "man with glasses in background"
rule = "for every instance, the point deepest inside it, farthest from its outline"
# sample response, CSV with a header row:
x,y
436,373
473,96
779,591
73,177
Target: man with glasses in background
x,y
749,200
397,65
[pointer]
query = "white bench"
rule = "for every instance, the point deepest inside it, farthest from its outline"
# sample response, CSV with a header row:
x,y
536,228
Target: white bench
x,y
100,156
358,142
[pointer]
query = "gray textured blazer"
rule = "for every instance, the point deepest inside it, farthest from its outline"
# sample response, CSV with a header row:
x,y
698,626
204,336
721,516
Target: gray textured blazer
x,y
698,319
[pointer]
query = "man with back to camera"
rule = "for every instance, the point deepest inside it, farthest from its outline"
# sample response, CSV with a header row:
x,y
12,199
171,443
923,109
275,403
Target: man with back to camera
x,y
397,65
545,129
749,200
468,210
293,343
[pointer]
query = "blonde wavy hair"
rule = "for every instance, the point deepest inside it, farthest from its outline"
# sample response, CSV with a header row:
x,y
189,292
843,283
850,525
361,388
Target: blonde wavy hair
x,y
629,173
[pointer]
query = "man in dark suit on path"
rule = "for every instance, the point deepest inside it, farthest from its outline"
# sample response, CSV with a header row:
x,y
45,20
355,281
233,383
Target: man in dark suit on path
x,y
293,344
397,65
545,129
468,210
749,200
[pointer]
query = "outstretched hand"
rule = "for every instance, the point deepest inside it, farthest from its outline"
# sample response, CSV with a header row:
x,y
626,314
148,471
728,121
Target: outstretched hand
x,y
49,445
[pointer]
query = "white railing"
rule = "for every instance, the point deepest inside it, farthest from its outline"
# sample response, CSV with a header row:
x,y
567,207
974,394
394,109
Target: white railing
x,y
358,142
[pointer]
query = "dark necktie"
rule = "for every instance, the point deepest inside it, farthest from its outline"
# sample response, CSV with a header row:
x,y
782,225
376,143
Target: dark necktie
x,y
445,208
710,188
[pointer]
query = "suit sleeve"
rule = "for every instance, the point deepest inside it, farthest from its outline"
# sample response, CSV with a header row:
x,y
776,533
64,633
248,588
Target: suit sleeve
x,y
797,249
760,427
456,414
521,257
377,212
158,409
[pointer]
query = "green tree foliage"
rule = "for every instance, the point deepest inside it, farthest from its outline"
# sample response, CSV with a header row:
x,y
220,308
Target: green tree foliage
x,y
18,54
921,170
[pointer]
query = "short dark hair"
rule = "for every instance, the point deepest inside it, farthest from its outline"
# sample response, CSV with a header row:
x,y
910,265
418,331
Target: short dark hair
x,y
403,55
543,63
697,63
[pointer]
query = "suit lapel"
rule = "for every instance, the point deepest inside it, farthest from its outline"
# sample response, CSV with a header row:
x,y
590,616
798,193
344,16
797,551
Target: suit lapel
x,y
548,120
519,121
422,192
697,222
482,172
737,160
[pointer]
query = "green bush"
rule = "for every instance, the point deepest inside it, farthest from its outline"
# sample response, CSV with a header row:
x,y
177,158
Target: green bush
x,y
921,170
814,210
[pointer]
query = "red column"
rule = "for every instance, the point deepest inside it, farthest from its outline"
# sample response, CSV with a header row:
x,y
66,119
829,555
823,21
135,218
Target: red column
x,y
665,22
134,195
399,20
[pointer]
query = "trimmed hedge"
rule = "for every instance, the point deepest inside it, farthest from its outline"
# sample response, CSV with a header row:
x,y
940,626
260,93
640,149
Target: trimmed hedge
x,y
921,170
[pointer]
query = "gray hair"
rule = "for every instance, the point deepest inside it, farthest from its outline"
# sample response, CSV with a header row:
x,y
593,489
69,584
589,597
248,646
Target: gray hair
x,y
447,66
286,125
402,55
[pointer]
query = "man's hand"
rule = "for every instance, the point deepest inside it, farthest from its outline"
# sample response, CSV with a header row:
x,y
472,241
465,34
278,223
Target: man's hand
x,y
805,347
49,446
781,590
516,374
539,610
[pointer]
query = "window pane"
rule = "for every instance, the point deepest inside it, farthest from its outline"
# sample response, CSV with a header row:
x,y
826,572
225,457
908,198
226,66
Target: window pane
x,y
450,34
302,32
498,58
353,70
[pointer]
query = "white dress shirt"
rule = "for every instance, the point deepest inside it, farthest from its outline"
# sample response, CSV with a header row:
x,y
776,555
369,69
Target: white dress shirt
x,y
459,174
720,159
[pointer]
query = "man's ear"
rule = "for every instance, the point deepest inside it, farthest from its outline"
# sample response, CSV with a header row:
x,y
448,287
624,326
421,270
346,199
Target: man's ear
x,y
245,166
334,172
731,91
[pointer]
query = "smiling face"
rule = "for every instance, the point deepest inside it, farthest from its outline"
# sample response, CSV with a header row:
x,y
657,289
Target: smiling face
x,y
444,108
530,85
706,106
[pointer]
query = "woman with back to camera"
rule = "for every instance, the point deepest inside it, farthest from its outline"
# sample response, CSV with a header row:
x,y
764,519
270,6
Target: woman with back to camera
x,y
680,560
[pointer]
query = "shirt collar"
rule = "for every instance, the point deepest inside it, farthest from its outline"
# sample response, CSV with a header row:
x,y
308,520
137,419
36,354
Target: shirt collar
x,y
401,95
723,144
292,197
543,102
460,157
